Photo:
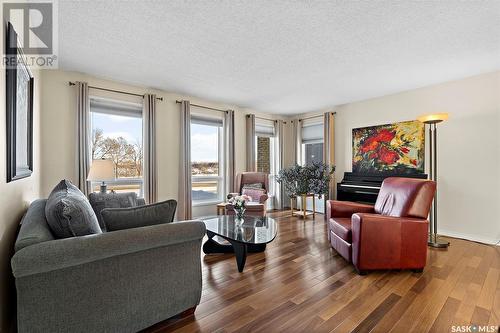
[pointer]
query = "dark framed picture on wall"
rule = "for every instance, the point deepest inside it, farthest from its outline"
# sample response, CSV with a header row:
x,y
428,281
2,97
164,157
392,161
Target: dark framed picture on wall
x,y
19,98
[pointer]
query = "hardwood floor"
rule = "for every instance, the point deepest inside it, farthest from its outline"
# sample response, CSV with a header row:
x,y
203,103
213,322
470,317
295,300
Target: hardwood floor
x,y
299,284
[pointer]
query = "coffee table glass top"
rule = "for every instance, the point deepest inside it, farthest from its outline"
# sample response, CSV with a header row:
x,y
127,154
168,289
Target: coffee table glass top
x,y
254,229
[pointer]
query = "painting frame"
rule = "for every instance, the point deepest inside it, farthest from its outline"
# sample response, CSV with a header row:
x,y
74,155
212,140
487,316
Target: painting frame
x,y
19,107
389,149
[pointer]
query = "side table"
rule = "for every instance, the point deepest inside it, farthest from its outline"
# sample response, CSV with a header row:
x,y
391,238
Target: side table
x,y
221,208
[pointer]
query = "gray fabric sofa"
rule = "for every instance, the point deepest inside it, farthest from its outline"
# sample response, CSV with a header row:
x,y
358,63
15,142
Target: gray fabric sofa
x,y
120,281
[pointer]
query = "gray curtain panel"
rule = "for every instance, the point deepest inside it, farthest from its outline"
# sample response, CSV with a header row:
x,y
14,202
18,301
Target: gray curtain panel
x,y
329,146
250,142
297,136
229,150
83,131
184,206
279,130
150,174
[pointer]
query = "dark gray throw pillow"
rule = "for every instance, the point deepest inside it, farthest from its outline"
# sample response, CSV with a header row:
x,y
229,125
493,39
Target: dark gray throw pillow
x,y
68,212
100,201
134,217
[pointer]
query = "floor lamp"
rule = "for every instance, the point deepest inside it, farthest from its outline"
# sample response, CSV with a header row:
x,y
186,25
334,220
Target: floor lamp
x,y
432,120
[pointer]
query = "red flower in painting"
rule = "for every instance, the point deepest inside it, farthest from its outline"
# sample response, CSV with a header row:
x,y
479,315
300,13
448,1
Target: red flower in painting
x,y
373,143
414,162
369,145
404,150
385,136
373,155
388,156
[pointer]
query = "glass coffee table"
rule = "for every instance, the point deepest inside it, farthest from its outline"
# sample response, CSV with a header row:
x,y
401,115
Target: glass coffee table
x,y
250,236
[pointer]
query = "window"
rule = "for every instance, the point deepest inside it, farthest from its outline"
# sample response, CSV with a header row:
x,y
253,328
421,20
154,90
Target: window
x,y
265,146
312,142
117,135
206,160
312,151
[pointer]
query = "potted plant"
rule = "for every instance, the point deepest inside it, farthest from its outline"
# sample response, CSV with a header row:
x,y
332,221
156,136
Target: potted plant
x,y
300,180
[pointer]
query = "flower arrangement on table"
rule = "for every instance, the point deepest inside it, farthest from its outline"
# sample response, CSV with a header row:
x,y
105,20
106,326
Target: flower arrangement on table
x,y
239,205
299,180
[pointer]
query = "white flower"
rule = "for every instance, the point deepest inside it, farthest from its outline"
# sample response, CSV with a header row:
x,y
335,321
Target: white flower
x,y
240,200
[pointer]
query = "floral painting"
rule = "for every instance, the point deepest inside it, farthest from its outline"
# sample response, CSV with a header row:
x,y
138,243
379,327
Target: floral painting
x,y
396,148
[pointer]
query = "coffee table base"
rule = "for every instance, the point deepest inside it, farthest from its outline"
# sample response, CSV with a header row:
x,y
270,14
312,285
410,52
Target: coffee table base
x,y
240,250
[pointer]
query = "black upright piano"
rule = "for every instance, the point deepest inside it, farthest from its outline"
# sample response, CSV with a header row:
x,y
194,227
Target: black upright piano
x,y
364,187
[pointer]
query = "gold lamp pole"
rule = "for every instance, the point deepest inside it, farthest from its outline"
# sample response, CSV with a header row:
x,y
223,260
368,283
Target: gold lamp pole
x,y
432,120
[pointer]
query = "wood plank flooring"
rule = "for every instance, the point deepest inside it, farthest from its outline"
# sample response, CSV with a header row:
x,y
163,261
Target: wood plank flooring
x,y
300,284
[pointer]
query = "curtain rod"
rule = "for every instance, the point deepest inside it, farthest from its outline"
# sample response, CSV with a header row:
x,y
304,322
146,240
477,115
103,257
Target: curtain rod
x,y
204,107
210,108
116,91
317,116
273,120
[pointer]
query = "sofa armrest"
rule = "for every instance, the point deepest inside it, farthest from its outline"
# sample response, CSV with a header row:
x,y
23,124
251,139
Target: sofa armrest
x,y
380,241
68,252
346,208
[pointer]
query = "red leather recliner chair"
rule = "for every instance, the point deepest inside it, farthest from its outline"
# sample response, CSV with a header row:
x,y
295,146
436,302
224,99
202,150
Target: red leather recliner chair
x,y
390,235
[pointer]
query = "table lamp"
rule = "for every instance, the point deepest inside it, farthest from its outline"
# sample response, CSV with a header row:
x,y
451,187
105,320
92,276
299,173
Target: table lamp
x,y
101,171
432,120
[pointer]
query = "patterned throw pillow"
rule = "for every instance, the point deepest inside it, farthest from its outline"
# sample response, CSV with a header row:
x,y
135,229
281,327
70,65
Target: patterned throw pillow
x,y
253,193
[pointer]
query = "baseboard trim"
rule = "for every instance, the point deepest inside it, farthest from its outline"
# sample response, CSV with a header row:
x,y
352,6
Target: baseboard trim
x,y
469,237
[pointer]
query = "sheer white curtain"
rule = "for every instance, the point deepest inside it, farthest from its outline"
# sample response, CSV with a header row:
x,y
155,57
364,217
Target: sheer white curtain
x,y
83,136
150,174
184,206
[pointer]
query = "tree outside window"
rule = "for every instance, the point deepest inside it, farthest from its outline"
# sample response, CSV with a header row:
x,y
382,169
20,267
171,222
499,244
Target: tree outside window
x,y
127,156
118,137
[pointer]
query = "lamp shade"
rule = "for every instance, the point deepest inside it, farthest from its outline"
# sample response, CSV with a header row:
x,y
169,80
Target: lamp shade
x,y
433,118
101,170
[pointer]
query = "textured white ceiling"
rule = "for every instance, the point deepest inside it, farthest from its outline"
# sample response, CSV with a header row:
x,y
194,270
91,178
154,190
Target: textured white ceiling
x,y
280,56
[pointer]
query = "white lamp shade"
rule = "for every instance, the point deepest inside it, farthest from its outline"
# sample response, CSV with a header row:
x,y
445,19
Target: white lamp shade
x,y
101,170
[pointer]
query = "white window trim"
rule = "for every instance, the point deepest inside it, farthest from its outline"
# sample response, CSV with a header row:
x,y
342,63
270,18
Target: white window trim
x,y
206,178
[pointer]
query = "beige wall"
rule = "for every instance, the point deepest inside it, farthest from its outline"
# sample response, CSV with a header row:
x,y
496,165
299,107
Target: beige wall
x,y
15,197
59,123
468,147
